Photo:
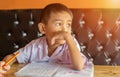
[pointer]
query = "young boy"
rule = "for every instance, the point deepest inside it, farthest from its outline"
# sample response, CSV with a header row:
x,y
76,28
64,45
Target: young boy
x,y
58,45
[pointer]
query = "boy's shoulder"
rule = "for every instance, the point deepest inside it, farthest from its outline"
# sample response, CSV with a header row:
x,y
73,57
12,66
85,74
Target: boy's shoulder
x,y
40,38
38,41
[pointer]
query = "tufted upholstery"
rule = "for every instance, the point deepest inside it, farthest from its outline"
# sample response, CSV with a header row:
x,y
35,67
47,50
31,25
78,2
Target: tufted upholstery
x,y
97,31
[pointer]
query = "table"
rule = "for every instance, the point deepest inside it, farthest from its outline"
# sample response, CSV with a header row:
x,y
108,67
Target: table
x,y
106,71
99,70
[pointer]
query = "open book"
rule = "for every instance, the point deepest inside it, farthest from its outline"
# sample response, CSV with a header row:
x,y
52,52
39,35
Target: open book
x,y
54,70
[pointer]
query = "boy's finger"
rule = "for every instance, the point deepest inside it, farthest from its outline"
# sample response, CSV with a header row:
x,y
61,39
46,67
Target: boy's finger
x,y
2,63
53,41
1,66
2,72
7,67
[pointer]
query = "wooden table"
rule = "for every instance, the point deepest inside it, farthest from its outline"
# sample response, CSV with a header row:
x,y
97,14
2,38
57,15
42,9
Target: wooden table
x,y
99,71
106,71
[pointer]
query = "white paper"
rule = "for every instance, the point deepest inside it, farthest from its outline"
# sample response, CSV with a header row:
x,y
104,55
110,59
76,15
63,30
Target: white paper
x,y
54,70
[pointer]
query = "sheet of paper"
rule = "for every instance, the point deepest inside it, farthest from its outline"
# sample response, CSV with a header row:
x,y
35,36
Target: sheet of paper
x,y
67,71
54,70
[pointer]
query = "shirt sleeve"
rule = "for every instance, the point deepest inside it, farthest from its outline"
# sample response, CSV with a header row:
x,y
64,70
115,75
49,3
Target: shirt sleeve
x,y
24,55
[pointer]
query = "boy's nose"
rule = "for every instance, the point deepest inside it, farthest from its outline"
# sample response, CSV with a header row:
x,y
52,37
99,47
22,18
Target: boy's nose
x,y
64,28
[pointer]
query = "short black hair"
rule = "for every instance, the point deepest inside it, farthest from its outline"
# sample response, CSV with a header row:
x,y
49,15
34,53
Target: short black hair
x,y
53,8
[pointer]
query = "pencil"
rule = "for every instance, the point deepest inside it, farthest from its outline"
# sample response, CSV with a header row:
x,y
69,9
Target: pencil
x,y
11,59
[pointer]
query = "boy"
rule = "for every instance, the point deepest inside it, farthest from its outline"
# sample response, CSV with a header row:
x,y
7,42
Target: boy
x,y
58,45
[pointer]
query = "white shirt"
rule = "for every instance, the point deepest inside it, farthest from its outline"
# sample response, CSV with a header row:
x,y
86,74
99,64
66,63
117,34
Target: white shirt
x,y
37,51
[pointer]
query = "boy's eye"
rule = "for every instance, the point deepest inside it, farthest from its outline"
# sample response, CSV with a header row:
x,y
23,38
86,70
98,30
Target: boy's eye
x,y
58,24
69,24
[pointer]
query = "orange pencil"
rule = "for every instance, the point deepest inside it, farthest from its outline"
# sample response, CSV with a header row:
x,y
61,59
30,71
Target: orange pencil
x,y
11,59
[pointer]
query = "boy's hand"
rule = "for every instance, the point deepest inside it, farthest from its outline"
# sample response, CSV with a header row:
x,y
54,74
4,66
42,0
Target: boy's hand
x,y
59,37
3,69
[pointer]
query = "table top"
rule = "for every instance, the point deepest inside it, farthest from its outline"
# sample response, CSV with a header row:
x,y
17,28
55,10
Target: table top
x,y
99,71
106,71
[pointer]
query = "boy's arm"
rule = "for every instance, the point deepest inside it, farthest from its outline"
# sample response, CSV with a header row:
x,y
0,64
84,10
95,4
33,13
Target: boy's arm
x,y
74,52
75,55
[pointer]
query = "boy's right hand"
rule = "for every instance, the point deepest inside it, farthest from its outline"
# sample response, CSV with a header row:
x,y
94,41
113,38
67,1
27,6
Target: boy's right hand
x,y
3,69
59,38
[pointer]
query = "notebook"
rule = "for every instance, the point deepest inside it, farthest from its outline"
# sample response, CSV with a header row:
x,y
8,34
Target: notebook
x,y
54,70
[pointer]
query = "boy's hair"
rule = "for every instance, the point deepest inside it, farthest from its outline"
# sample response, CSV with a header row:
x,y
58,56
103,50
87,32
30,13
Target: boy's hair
x,y
53,8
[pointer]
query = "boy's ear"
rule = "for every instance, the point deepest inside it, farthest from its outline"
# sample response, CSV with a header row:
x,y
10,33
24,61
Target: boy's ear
x,y
41,28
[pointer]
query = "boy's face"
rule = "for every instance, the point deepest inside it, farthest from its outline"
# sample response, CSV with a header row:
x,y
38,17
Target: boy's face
x,y
58,22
